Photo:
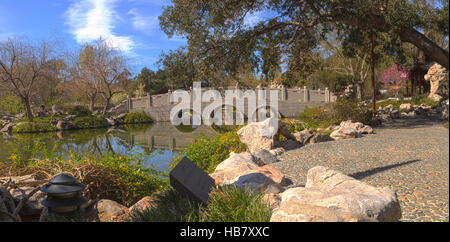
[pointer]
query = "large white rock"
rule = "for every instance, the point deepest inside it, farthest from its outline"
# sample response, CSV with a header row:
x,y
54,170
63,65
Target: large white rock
x,y
345,199
436,75
254,135
241,170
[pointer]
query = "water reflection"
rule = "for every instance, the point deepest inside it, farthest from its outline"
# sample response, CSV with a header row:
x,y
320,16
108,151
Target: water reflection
x,y
162,140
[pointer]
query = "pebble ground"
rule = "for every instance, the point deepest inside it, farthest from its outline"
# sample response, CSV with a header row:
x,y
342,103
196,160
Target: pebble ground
x,y
409,156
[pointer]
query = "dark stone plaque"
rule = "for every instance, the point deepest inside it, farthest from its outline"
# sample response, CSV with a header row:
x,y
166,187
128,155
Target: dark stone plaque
x,y
191,181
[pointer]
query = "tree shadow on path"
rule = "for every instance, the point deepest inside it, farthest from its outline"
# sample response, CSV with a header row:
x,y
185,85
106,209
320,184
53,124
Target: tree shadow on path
x,y
363,174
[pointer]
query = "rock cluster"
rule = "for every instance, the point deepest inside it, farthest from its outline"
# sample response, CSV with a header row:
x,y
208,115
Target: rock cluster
x,y
348,129
328,195
406,110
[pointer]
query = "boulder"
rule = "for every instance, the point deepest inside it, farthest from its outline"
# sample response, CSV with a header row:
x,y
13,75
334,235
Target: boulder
x,y
264,157
288,144
259,179
273,200
294,211
65,125
109,210
143,205
437,75
345,133
251,136
236,164
111,122
405,106
351,196
304,136
33,206
277,151
8,127
254,135
348,129
366,130
318,138
240,170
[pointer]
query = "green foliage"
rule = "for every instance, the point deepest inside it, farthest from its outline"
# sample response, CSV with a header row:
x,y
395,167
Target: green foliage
x,y
446,125
79,111
294,125
226,204
34,127
137,117
233,204
91,121
207,153
334,113
11,105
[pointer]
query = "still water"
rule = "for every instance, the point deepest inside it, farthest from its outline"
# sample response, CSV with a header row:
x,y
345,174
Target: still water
x,y
159,141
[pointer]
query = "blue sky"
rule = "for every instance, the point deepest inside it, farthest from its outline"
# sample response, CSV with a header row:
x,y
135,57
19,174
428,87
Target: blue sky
x,y
131,25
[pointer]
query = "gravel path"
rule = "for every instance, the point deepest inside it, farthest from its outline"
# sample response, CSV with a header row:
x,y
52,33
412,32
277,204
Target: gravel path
x,y
410,156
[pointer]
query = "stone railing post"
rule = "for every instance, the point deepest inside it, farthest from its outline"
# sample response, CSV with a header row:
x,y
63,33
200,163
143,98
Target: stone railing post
x,y
169,92
305,94
327,95
283,93
129,103
149,100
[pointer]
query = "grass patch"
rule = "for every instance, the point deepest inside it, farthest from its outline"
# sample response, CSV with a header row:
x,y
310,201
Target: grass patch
x,y
207,153
34,127
137,118
91,121
226,204
446,125
79,111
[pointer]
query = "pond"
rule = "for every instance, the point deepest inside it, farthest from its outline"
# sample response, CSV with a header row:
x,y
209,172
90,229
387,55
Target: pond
x,y
159,142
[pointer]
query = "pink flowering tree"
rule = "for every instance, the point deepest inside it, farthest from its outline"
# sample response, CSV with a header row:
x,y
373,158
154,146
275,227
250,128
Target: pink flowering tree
x,y
394,78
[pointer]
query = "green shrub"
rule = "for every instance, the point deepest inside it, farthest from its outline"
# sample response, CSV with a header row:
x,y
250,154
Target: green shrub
x,y
92,121
11,105
34,127
79,111
137,117
207,153
226,204
336,112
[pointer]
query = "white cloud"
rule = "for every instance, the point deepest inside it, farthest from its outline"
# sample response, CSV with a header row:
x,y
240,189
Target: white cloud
x,y
252,19
92,19
146,24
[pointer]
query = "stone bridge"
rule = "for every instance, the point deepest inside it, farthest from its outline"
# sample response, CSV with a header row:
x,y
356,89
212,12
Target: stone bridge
x,y
291,102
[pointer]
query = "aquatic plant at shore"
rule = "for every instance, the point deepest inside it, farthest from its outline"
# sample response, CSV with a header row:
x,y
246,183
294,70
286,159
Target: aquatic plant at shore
x,y
119,177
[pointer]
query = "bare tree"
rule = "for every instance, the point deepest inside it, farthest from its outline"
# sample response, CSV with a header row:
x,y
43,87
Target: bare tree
x,y
23,67
354,67
100,70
